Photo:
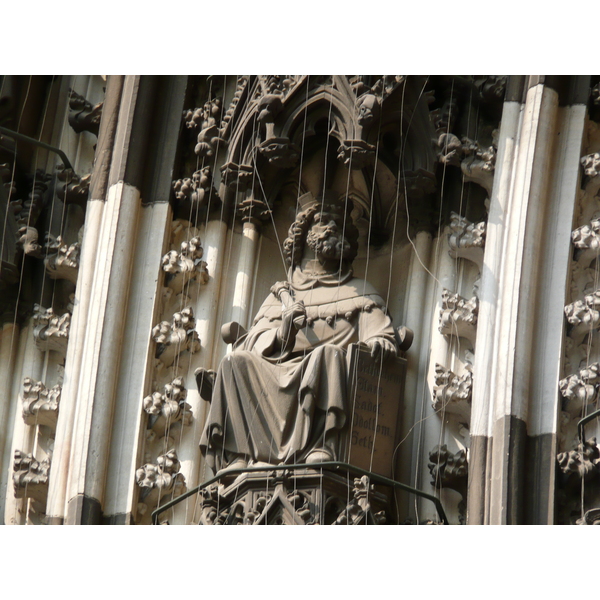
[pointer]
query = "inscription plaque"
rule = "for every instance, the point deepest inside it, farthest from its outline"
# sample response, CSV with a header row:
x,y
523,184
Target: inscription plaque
x,y
375,398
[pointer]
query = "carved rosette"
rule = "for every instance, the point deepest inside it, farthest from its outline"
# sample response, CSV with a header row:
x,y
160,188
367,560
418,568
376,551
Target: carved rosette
x,y
185,266
466,239
161,478
580,389
176,337
40,404
30,477
452,393
83,116
168,407
458,316
50,331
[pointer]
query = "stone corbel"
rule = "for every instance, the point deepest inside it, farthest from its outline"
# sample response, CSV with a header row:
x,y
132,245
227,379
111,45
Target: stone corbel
x,y
198,190
580,463
238,178
83,116
160,479
169,407
451,393
591,168
253,210
358,511
185,266
583,316
458,316
580,389
30,477
28,242
450,471
356,154
50,331
466,239
176,337
62,259
207,119
72,188
40,404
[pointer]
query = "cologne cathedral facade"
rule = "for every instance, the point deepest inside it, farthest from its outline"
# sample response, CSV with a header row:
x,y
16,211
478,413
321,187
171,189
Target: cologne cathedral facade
x,y
428,350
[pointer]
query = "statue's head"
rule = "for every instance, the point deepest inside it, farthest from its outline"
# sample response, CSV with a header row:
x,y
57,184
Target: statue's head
x,y
325,228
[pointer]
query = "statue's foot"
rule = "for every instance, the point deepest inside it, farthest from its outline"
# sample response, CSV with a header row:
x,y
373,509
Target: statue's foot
x,y
318,455
205,380
238,463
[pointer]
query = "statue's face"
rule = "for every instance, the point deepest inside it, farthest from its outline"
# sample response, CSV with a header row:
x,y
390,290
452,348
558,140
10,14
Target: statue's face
x,y
326,240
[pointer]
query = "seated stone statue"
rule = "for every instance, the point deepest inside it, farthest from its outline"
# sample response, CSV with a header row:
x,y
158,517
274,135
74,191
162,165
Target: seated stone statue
x,y
280,395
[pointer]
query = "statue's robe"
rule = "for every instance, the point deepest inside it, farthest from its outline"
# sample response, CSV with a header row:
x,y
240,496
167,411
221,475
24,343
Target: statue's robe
x,y
275,407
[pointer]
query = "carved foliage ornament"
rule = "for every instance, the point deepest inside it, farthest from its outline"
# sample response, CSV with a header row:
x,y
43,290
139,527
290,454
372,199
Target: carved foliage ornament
x,y
451,392
185,266
161,478
83,116
458,316
51,332
197,190
170,406
177,336
30,477
581,462
466,239
40,404
580,389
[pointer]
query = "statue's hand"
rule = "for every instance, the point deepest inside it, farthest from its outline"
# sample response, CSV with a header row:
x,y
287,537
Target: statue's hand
x,y
295,315
293,319
381,348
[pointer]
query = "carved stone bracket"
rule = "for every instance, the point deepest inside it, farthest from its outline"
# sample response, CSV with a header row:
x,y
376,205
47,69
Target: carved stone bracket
x,y
476,163
161,478
450,471
185,266
253,210
169,407
580,463
72,188
458,316
591,168
83,116
358,511
238,178
62,259
451,393
30,477
466,239
40,404
197,190
356,154
50,331
583,315
176,337
580,389
280,152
